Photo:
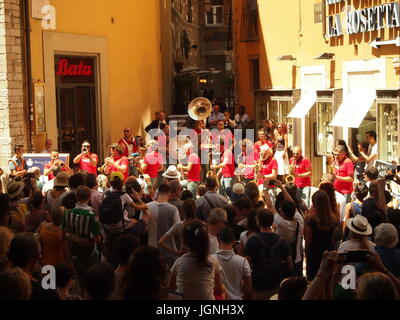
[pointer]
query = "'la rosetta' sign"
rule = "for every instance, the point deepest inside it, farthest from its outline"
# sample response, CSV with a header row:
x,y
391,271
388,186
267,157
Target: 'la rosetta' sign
x,y
364,20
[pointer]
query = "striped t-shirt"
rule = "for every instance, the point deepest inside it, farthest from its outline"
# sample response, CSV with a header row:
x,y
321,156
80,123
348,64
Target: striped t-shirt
x,y
81,221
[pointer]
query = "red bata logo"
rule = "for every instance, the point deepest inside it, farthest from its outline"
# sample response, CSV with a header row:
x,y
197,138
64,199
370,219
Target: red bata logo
x,y
66,69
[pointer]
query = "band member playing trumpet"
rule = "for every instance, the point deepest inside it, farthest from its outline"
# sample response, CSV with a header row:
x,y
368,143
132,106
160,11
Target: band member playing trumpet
x,y
55,162
128,143
268,171
117,162
302,172
247,160
86,159
193,170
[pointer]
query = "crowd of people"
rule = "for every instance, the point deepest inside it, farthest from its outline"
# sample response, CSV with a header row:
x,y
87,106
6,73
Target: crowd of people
x,y
160,223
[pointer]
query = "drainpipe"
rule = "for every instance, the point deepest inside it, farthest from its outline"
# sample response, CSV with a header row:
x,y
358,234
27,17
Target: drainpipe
x,y
28,68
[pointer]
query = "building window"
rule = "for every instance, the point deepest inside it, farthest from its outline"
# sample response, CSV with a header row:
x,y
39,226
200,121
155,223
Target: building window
x,y
249,26
255,74
325,133
389,132
318,15
215,15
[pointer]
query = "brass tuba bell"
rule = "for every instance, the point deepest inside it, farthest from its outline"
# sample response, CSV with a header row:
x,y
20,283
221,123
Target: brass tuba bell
x,y
200,109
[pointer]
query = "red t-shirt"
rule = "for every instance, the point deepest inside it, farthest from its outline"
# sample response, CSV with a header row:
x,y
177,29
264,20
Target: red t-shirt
x,y
344,169
266,169
121,161
225,135
154,161
259,144
86,165
50,176
228,171
194,173
249,160
302,165
129,147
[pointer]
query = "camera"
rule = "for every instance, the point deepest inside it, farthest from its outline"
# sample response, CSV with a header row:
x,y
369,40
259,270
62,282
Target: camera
x,y
354,256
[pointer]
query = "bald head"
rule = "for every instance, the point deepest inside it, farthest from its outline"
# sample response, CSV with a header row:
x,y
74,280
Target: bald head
x,y
128,133
297,152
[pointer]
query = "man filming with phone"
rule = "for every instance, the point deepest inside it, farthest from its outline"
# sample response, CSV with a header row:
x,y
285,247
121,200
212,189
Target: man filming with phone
x,y
86,159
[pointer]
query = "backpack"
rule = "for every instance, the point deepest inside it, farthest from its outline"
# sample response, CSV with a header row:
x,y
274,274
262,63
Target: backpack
x,y
268,268
111,211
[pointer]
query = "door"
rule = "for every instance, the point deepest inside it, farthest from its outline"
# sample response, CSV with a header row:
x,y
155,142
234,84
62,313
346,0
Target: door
x,y
76,113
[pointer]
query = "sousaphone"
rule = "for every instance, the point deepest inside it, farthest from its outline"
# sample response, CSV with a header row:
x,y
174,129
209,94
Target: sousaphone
x,y
200,109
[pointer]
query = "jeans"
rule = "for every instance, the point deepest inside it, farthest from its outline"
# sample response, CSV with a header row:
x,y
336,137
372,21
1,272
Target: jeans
x,y
226,186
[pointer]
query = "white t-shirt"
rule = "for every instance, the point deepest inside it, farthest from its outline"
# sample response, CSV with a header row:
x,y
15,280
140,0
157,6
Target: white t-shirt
x,y
242,121
214,245
49,185
169,215
234,269
245,236
353,244
195,282
287,230
371,151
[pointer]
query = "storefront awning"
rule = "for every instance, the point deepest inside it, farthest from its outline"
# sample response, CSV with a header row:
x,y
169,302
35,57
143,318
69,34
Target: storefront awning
x,y
354,108
306,102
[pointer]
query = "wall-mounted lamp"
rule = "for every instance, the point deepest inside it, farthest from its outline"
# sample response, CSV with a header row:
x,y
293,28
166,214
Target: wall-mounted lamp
x,y
203,81
325,56
286,58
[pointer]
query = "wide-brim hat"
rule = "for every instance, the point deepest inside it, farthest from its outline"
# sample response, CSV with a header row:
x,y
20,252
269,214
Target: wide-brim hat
x,y
15,188
61,180
359,225
172,173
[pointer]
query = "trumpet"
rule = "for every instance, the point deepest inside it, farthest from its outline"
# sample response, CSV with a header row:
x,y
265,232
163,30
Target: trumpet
x,y
102,169
290,177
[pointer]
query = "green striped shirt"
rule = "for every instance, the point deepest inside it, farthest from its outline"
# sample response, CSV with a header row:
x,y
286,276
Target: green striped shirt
x,y
81,222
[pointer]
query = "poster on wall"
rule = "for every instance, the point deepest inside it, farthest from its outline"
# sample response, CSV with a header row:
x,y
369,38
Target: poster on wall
x,y
40,117
40,159
383,168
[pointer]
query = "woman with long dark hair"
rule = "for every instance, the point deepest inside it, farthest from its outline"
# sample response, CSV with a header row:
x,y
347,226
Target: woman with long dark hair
x,y
196,275
322,232
330,190
145,276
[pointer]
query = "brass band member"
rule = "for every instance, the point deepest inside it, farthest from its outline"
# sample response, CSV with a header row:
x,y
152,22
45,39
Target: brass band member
x,y
117,162
247,160
86,159
193,170
55,162
300,167
17,163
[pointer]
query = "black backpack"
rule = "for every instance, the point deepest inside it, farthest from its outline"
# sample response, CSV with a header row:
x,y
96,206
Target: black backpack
x,y
111,211
268,267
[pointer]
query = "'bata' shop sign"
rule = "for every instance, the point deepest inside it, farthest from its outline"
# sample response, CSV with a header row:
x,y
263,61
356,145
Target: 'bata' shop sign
x,y
65,68
364,20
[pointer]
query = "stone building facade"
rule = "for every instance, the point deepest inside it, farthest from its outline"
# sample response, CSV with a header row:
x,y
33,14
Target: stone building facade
x,y
13,111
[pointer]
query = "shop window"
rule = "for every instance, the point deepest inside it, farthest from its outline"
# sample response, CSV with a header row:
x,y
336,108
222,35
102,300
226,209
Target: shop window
x,y
389,131
325,133
278,111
